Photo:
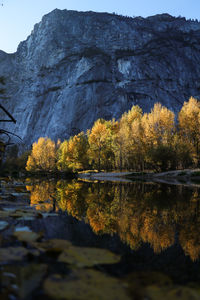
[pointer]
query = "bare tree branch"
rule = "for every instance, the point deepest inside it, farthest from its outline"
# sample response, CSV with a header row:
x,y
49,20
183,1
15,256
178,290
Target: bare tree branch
x,y
8,114
2,131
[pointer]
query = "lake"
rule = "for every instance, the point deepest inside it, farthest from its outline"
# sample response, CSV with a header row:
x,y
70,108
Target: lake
x,y
154,228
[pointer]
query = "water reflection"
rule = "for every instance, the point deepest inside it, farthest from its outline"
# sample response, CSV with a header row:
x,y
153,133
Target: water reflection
x,y
43,196
157,214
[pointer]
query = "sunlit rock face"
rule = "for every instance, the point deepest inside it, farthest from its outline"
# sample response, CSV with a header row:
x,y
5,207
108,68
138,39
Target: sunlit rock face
x,y
76,67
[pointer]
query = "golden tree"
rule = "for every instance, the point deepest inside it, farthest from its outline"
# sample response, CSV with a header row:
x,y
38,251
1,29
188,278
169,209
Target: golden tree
x,y
99,138
189,126
159,129
62,155
43,156
159,125
77,148
72,154
130,137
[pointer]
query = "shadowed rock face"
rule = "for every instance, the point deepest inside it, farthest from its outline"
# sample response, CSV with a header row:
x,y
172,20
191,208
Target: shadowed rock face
x,y
76,67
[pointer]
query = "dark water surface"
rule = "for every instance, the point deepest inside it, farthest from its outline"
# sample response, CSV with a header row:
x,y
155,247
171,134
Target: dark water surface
x,y
155,228
157,224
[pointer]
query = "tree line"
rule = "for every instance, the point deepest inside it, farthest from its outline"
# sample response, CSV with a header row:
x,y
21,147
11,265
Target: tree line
x,y
137,141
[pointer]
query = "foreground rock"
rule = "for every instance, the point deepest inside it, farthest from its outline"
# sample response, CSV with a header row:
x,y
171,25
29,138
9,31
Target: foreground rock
x,y
76,67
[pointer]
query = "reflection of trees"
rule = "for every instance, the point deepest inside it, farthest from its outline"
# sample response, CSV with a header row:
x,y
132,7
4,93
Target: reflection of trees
x,y
160,236
71,198
100,208
189,238
43,195
137,212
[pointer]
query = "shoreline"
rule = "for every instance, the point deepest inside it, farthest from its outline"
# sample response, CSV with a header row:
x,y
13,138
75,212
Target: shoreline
x,y
185,176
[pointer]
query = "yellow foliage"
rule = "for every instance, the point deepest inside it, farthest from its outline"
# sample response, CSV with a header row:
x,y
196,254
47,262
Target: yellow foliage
x,y
100,142
43,196
133,212
136,142
189,124
72,154
158,125
43,156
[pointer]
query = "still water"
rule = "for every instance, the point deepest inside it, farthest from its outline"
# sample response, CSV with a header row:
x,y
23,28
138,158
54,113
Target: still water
x,y
152,228
139,214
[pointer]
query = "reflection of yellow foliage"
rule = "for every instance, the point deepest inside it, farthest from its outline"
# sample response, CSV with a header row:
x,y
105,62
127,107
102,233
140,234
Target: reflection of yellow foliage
x,y
126,210
96,220
71,198
131,240
134,226
42,195
159,236
123,222
189,238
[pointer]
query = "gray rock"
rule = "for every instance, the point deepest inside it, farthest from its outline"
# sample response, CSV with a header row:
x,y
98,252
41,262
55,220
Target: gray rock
x,y
76,67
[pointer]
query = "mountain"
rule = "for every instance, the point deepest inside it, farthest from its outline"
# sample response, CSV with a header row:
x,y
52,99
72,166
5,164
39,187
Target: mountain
x,y
76,67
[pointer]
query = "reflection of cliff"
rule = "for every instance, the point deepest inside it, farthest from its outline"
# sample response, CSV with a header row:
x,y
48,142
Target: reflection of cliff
x,y
137,212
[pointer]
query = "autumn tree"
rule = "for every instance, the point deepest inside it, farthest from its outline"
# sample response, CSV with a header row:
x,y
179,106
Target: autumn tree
x,y
159,129
108,153
77,152
72,154
136,141
181,151
189,126
129,138
100,143
159,125
43,156
62,155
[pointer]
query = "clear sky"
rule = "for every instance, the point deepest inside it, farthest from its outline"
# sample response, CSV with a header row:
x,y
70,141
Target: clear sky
x,y
17,17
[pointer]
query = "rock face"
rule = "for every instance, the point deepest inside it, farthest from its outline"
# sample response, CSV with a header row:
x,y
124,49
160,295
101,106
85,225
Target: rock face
x,y
76,67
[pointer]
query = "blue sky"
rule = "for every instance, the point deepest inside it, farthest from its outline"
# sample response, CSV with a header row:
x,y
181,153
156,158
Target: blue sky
x,y
17,17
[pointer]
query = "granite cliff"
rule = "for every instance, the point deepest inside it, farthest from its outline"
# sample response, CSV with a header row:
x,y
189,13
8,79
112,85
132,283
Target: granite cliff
x,y
76,67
